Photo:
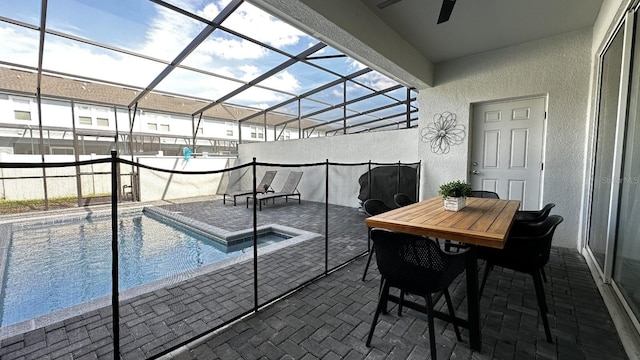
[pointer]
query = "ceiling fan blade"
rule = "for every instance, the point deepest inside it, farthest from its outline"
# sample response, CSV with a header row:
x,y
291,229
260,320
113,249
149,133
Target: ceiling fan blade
x,y
445,10
386,3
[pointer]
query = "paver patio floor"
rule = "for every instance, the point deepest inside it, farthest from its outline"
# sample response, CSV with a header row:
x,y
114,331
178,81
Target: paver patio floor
x,y
329,318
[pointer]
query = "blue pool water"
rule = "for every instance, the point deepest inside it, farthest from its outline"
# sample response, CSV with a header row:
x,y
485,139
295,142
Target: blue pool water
x,y
54,267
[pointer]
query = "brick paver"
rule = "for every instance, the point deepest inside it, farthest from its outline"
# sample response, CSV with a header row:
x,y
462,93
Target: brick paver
x,y
321,322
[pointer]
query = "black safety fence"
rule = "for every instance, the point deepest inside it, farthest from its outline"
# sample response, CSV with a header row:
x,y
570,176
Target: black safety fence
x,y
29,186
133,280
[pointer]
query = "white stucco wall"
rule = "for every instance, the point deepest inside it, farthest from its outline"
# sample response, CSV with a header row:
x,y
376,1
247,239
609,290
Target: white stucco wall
x,y
557,67
156,185
381,147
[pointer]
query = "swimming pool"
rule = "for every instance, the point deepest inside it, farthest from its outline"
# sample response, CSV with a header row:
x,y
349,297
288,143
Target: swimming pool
x,y
52,267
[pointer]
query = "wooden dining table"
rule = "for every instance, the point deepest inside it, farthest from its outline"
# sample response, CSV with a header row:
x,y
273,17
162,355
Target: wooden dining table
x,y
483,222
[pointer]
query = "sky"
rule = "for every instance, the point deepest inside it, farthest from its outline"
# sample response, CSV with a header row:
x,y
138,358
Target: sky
x,y
159,33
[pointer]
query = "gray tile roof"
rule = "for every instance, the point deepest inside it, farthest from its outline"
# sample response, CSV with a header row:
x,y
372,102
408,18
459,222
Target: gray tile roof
x,y
25,82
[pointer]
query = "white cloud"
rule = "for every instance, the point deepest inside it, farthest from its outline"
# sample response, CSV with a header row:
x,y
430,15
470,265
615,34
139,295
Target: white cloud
x,y
252,22
372,79
212,9
249,72
83,60
258,98
197,85
19,45
263,27
284,81
232,49
376,80
355,65
168,34
193,6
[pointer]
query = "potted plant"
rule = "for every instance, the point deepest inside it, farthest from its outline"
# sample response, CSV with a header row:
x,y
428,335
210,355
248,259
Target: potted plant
x,y
455,194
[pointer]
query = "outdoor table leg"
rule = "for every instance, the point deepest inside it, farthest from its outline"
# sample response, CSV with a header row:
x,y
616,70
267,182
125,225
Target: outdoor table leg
x,y
473,300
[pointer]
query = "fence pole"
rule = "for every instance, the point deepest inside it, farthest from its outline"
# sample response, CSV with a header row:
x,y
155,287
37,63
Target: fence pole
x,y
369,178
418,181
115,310
42,150
326,220
398,184
76,155
255,240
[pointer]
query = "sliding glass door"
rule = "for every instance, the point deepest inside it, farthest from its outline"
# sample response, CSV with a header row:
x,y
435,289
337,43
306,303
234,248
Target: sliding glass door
x,y
626,271
605,144
613,236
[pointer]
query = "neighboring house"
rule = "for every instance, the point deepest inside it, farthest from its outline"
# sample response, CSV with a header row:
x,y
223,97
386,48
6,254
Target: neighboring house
x,y
96,126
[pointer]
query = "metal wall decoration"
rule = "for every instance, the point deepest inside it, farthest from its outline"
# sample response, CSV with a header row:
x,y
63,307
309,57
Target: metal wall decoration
x,y
443,132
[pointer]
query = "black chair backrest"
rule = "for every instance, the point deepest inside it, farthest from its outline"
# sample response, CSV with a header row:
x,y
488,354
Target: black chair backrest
x,y
535,216
402,199
375,206
484,194
529,244
414,263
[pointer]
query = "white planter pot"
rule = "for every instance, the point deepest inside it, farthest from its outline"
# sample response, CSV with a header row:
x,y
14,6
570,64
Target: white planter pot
x,y
455,203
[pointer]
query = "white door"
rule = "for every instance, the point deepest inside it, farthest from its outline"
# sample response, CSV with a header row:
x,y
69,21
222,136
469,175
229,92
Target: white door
x,y
507,149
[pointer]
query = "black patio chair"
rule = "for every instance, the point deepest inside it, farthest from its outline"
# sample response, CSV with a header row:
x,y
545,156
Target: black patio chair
x,y
415,265
403,200
527,250
535,216
372,207
484,194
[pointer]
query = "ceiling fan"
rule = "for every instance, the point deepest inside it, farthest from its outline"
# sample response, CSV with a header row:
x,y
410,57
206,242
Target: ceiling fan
x,y
445,10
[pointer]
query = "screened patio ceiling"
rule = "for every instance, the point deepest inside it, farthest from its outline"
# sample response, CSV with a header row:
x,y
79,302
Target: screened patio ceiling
x,y
223,59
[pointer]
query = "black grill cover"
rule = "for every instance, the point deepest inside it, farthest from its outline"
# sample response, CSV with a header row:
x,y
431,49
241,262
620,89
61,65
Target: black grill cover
x,y
385,183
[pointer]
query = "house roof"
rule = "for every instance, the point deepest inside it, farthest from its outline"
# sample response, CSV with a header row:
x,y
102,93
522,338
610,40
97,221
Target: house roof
x,y
23,82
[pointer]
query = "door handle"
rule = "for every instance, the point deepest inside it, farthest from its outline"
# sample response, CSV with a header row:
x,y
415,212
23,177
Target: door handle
x,y
475,172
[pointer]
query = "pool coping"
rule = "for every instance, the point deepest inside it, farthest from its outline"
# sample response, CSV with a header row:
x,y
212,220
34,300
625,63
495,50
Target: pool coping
x,y
223,236
297,236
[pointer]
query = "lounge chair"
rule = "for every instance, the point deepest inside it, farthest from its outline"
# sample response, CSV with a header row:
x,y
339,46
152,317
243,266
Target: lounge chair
x,y
289,189
267,178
